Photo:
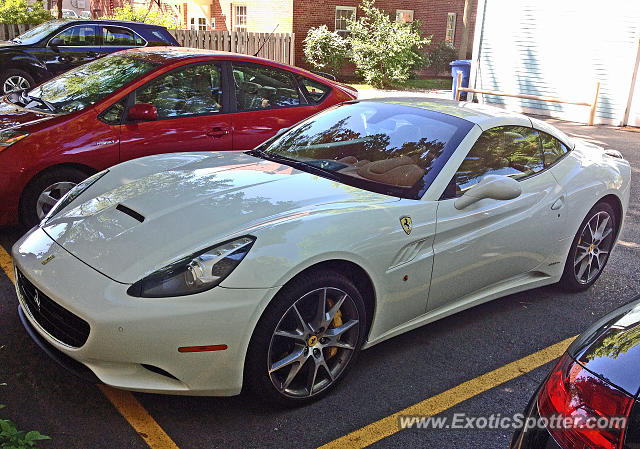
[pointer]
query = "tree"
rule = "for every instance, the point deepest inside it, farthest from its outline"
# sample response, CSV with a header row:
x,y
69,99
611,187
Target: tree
x,y
142,14
19,11
385,51
325,50
440,56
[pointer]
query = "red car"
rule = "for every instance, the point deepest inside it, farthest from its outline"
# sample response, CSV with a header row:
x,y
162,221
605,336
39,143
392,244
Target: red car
x,y
140,102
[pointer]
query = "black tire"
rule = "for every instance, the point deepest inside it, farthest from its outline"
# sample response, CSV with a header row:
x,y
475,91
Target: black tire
x,y
570,280
29,201
256,373
11,75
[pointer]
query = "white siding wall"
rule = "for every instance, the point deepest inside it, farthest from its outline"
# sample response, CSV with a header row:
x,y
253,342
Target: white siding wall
x,y
557,48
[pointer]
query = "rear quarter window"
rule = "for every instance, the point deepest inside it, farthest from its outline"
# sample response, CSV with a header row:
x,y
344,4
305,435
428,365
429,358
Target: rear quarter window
x,y
552,148
159,38
315,91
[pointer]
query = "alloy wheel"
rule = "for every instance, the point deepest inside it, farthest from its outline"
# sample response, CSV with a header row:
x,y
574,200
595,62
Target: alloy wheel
x,y
594,245
313,342
50,196
15,83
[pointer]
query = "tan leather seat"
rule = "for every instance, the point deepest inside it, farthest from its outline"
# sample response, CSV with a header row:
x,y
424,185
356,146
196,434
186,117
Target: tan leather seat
x,y
401,171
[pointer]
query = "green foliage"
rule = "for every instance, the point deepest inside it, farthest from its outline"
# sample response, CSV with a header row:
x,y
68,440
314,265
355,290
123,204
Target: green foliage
x,y
440,55
19,11
12,438
141,14
616,343
385,51
325,50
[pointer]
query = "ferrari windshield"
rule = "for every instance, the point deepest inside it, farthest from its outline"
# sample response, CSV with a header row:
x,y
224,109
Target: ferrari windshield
x,y
387,148
86,84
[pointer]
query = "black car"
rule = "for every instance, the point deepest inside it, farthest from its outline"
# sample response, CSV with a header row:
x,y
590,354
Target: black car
x,y
58,45
594,384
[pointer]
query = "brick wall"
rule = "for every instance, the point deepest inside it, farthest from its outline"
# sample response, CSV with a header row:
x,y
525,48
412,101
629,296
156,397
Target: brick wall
x,y
432,14
100,8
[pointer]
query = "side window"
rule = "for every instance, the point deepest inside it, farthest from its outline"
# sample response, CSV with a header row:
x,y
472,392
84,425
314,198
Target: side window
x,y
512,151
122,37
78,36
113,115
263,87
315,91
193,90
552,148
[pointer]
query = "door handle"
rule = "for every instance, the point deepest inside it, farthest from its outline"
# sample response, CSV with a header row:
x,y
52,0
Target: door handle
x,y
557,204
218,131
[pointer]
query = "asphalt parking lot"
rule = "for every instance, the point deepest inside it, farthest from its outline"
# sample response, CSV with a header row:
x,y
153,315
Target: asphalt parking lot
x,y
425,366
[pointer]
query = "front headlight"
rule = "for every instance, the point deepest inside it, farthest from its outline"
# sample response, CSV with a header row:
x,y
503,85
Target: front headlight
x,y
10,136
196,273
73,194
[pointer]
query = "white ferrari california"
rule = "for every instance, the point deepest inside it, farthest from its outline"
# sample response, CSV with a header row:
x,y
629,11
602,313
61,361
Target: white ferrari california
x,y
198,273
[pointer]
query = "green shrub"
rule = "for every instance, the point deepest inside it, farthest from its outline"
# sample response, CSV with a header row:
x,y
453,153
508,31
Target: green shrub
x,y
19,11
325,50
143,14
385,51
440,55
12,438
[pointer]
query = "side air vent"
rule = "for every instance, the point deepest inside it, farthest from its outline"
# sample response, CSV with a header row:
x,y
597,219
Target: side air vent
x,y
409,252
130,212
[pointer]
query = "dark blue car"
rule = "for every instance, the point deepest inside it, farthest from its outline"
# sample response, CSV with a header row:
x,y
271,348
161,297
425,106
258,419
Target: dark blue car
x,y
59,45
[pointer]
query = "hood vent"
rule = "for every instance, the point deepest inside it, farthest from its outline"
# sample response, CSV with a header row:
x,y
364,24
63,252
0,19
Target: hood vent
x,y
130,212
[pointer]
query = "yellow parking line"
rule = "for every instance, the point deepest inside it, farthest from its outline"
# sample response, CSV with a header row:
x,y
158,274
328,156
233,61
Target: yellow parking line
x,y
139,418
434,405
5,263
123,401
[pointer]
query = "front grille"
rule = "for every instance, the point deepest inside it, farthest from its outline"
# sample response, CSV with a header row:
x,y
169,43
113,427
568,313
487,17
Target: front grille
x,y
61,324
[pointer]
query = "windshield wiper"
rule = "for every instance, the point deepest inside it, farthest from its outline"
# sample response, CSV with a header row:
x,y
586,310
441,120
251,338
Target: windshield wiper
x,y
16,40
39,100
300,165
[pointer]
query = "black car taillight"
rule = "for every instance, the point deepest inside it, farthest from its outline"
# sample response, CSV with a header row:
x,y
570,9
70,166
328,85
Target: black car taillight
x,y
593,408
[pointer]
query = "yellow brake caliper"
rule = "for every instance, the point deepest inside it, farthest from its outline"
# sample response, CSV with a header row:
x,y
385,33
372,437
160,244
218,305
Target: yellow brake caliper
x,y
336,322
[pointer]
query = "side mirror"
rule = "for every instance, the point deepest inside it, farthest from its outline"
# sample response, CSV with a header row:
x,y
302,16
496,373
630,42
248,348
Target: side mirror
x,y
55,43
143,112
281,131
496,187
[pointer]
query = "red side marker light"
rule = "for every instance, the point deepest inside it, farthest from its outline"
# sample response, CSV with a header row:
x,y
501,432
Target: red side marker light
x,y
202,348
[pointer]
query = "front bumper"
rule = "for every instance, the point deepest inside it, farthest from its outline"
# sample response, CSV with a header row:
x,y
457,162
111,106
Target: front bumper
x,y
535,437
128,335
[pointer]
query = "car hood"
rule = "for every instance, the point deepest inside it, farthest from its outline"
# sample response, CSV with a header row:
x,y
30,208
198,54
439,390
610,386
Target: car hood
x,y
13,116
187,202
9,44
611,348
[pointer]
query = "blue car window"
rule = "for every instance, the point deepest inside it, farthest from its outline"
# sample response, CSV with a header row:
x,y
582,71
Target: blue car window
x,y
78,36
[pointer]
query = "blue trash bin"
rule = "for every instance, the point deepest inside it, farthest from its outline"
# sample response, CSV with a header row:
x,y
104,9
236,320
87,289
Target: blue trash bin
x,y
464,66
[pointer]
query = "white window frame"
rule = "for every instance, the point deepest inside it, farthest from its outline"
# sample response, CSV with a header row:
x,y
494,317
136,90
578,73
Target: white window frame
x,y
236,25
404,11
450,30
351,9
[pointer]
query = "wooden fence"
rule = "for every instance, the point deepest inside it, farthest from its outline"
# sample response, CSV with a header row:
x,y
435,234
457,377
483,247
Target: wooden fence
x,y
279,47
9,30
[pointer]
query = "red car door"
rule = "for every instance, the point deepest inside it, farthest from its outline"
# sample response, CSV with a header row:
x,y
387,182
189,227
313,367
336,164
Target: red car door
x,y
266,100
191,113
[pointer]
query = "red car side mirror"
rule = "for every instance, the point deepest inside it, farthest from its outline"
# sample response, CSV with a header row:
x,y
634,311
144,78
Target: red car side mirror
x,y
143,112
